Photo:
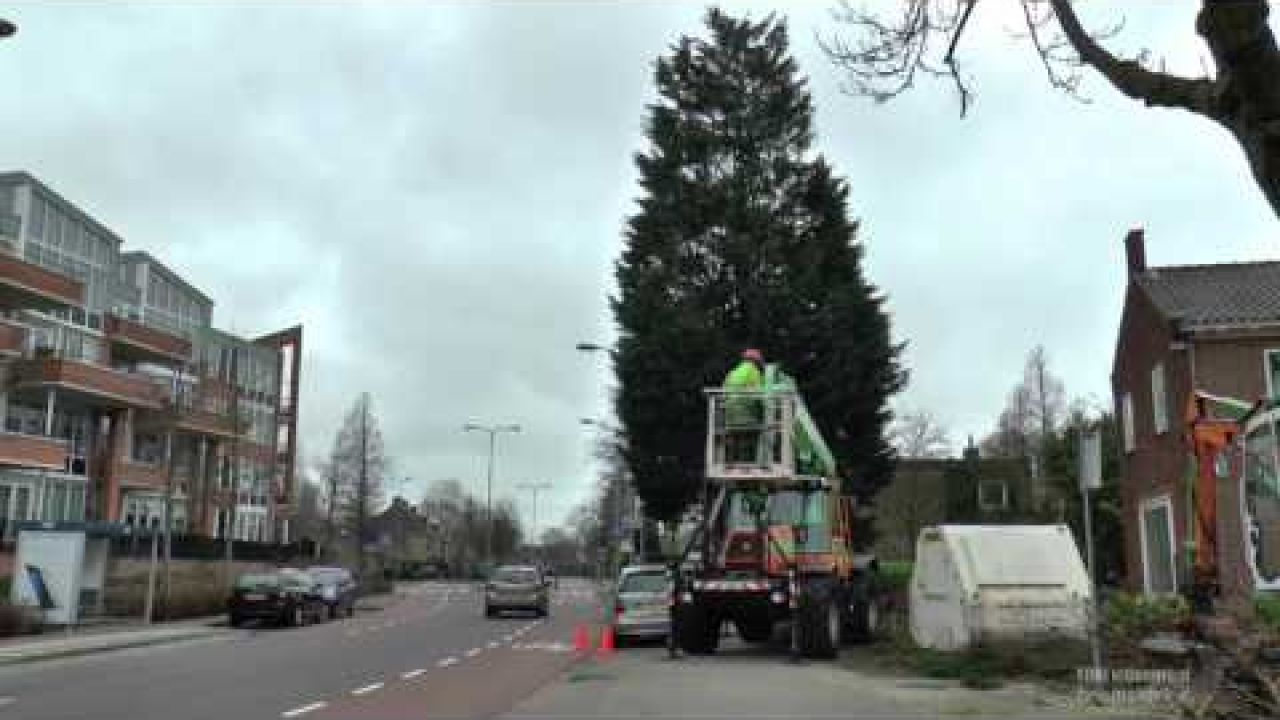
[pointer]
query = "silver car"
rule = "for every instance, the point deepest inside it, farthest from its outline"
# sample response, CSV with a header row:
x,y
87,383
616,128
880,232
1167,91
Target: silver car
x,y
641,609
517,587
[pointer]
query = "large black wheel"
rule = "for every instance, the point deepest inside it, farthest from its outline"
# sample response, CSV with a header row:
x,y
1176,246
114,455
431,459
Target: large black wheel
x,y
756,631
818,619
862,622
697,629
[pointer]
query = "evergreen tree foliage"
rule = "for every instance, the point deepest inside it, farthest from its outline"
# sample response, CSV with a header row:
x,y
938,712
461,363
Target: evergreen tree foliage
x,y
743,239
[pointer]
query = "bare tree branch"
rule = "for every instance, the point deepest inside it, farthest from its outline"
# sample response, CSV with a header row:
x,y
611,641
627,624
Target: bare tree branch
x,y
1130,77
950,58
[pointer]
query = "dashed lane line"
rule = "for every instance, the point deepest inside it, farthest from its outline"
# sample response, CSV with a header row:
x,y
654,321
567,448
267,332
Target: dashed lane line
x,y
493,644
367,689
412,673
304,709
473,652
447,662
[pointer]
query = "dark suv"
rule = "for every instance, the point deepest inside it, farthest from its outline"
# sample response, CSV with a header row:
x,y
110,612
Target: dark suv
x,y
338,588
283,597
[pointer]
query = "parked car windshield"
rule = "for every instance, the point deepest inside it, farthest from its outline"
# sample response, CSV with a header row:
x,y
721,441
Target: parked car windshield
x,y
328,575
644,582
522,576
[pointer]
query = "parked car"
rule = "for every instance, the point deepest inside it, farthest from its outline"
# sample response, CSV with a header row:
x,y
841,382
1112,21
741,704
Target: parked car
x,y
517,587
338,587
641,603
284,597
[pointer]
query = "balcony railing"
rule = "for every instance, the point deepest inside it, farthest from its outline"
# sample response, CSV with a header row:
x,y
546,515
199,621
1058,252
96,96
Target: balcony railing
x,y
148,342
27,285
134,473
13,338
33,451
86,378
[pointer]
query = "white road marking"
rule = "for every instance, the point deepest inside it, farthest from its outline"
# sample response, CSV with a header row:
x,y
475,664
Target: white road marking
x,y
304,709
473,652
412,673
352,633
367,689
508,638
447,662
493,644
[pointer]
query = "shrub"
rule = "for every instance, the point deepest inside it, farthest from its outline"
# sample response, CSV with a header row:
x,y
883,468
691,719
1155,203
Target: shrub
x,y
1266,607
896,575
1132,617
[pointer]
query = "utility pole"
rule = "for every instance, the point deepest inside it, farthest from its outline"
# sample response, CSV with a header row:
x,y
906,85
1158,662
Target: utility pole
x,y
362,498
1090,441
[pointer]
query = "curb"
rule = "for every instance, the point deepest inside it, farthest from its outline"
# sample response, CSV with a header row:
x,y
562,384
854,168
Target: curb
x,y
26,658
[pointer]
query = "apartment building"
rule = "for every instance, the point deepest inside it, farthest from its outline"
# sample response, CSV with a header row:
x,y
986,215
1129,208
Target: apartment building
x,y
118,394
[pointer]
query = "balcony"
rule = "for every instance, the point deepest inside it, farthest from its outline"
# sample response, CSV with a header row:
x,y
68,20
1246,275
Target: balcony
x,y
137,474
132,341
97,383
205,422
27,285
13,338
32,451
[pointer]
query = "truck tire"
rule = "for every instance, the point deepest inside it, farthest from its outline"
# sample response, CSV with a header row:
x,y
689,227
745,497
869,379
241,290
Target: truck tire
x,y
862,624
697,630
754,630
819,619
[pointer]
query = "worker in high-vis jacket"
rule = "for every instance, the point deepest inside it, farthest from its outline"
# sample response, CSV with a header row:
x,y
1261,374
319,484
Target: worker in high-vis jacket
x,y
744,408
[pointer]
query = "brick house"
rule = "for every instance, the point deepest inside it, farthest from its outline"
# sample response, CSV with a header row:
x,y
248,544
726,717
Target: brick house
x,y
1213,328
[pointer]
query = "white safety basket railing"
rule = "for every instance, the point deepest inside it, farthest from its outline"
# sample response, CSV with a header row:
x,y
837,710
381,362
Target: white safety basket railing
x,y
749,435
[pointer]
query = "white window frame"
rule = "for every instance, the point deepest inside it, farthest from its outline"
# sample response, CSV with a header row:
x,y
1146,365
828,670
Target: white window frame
x,y
1266,371
1004,495
1159,399
1127,422
1150,504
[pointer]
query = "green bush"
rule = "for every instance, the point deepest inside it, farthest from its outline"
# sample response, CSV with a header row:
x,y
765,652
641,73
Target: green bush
x,y
5,583
896,575
1132,617
1267,608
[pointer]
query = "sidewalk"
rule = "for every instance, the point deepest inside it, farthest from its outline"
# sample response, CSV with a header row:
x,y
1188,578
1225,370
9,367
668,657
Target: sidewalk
x,y
105,637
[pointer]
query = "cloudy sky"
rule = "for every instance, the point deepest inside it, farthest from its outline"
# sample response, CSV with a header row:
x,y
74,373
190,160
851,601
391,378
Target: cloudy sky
x,y
436,192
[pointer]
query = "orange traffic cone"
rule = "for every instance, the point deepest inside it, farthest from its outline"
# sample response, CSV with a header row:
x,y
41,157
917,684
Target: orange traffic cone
x,y
606,641
581,639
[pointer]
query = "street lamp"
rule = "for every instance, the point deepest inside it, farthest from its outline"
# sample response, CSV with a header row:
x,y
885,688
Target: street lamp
x,y
493,431
534,488
7,28
590,347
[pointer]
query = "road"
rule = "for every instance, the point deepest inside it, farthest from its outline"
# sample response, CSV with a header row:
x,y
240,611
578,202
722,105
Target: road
x,y
428,653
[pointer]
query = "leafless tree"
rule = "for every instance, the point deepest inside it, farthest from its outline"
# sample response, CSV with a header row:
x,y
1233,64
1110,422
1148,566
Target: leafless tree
x,y
359,468
1034,410
918,434
887,54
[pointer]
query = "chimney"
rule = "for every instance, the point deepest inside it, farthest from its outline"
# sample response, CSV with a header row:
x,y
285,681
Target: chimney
x,y
1135,250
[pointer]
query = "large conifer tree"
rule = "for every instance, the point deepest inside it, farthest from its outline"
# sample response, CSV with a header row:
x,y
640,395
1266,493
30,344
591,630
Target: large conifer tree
x,y
743,239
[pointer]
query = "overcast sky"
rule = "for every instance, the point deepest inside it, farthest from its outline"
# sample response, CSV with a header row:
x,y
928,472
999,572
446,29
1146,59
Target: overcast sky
x,y
436,193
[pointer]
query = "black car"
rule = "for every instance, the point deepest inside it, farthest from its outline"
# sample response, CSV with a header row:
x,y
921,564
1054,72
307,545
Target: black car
x,y
283,597
338,587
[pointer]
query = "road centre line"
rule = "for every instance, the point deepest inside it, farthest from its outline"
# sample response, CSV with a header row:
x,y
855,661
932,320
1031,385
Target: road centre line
x,y
367,689
412,673
304,709
473,652
447,662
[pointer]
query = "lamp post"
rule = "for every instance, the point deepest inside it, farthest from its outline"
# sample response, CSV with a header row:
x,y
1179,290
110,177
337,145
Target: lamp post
x,y
621,490
534,488
493,431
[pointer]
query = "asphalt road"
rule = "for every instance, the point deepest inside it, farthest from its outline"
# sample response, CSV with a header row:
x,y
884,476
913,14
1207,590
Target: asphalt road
x,y
428,653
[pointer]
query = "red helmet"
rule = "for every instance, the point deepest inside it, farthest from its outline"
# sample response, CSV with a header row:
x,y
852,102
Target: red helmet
x,y
753,355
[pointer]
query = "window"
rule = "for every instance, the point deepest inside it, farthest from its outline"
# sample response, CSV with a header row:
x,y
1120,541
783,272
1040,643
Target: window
x,y
37,217
1126,418
993,495
1272,362
1159,408
1262,504
1159,576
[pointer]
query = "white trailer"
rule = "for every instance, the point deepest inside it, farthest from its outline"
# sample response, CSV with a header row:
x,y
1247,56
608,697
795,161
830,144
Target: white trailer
x,y
980,584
